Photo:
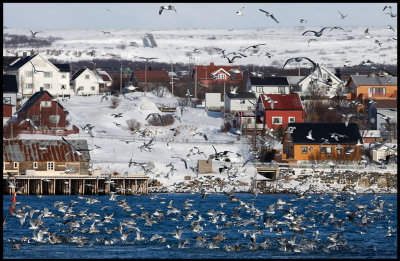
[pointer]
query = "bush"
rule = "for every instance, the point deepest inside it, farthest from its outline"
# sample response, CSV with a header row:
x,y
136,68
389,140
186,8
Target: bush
x,y
166,120
133,124
225,127
114,102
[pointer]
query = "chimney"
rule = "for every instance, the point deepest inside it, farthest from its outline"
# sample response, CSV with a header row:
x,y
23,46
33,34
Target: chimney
x,y
32,52
41,89
212,65
24,54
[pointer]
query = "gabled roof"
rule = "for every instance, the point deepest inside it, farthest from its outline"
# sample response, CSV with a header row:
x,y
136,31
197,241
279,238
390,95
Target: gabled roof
x,y
203,73
373,80
294,80
151,76
28,151
324,130
19,62
104,75
272,81
33,99
283,101
241,95
77,73
10,83
63,67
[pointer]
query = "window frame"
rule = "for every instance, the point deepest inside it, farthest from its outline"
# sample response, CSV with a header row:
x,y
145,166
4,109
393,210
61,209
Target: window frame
x,y
328,150
52,117
93,88
276,118
50,165
294,119
29,86
87,76
16,164
48,74
35,165
281,89
374,90
46,104
49,86
304,150
28,74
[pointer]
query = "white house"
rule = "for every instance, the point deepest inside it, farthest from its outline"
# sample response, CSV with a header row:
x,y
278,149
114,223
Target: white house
x,y
104,79
213,101
268,85
85,82
34,72
328,83
242,101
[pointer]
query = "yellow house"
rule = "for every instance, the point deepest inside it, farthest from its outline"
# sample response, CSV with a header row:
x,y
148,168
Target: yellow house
x,y
305,142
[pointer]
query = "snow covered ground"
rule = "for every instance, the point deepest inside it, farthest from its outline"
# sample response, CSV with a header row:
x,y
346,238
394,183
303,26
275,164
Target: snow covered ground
x,y
332,49
114,146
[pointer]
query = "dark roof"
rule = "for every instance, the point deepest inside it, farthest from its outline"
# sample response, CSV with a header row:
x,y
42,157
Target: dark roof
x,y
386,104
10,83
33,99
77,73
21,61
57,150
241,95
269,81
283,101
63,67
150,76
374,80
324,130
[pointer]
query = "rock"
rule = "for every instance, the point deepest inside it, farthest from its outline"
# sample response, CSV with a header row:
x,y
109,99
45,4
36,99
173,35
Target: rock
x,y
364,182
382,182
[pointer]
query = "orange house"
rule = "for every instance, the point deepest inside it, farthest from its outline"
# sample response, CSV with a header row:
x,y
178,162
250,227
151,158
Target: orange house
x,y
327,141
362,87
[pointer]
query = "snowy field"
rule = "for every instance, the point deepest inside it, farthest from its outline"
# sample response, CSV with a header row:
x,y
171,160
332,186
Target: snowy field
x,y
114,146
332,49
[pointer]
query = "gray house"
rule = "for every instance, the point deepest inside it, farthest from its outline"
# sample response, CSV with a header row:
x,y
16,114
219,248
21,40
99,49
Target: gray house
x,y
268,85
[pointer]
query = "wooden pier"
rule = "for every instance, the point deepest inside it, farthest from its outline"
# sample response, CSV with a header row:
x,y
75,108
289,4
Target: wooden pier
x,y
78,184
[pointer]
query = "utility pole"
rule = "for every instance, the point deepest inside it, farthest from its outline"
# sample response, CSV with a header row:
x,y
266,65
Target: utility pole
x,y
224,104
195,88
120,80
145,78
172,83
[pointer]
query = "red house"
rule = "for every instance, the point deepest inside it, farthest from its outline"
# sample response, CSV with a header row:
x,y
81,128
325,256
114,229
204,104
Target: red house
x,y
212,73
45,112
280,109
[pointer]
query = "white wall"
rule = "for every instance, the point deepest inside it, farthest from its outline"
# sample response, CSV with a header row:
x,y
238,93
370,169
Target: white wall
x,y
236,105
86,83
213,100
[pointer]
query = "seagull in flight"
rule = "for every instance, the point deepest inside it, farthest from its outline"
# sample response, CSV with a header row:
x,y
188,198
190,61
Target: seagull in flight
x,y
34,33
166,7
366,34
309,136
201,134
145,58
30,122
308,43
239,12
270,15
34,68
155,115
342,16
105,32
119,115
390,27
303,21
388,7
317,34
233,58
254,46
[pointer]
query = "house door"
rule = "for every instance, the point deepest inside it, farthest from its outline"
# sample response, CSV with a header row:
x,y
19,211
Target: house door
x,y
369,92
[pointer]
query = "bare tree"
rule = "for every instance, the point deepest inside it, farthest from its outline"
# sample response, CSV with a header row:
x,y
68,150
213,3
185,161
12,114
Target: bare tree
x,y
115,102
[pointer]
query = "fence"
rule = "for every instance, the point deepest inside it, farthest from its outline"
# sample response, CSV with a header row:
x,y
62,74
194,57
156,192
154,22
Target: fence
x,y
74,130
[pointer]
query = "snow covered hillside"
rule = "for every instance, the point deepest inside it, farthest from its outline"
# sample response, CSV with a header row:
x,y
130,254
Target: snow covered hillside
x,y
332,49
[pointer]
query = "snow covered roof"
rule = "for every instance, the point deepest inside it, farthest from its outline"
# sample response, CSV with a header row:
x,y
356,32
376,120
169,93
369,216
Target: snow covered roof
x,y
104,75
283,101
57,150
204,71
322,131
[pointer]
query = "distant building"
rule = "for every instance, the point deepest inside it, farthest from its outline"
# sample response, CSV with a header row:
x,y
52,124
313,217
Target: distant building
x,y
268,85
34,72
85,82
150,79
11,98
365,87
242,101
211,74
323,146
105,80
55,157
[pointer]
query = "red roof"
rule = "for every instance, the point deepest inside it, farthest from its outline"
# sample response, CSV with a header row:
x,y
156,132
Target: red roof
x,y
203,73
151,76
283,101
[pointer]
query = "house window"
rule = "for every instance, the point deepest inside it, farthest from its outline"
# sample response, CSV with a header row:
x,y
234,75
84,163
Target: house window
x,y
276,120
47,86
93,88
6,100
221,76
54,118
326,150
45,104
304,150
259,89
29,86
28,74
15,165
380,91
281,89
35,165
35,117
50,165
291,119
48,74
87,76
324,76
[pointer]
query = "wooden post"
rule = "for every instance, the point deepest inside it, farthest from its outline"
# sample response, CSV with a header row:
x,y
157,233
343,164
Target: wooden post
x,y
41,187
124,187
69,187
97,185
54,191
83,186
29,181
136,188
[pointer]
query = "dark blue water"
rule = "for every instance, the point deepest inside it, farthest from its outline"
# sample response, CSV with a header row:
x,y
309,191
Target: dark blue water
x,y
355,239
